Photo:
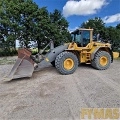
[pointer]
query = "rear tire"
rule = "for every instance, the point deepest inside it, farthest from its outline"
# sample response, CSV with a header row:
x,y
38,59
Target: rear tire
x,y
66,63
102,60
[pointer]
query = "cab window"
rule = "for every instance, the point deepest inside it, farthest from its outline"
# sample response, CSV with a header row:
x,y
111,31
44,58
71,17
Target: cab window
x,y
86,37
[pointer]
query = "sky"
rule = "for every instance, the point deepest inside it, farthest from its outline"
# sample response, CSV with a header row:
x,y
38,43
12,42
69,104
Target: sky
x,y
78,11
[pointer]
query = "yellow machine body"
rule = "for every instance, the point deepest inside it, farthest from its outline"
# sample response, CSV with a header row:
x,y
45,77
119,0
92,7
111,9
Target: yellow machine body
x,y
86,54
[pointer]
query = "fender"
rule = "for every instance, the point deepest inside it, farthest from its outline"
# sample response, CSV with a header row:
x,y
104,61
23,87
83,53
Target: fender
x,y
93,54
51,56
110,51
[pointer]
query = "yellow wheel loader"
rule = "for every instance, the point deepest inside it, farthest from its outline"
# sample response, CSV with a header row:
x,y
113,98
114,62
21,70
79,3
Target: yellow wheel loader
x,y
67,57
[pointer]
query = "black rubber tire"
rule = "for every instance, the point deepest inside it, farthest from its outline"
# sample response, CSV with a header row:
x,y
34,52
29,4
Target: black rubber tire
x,y
59,62
53,63
96,61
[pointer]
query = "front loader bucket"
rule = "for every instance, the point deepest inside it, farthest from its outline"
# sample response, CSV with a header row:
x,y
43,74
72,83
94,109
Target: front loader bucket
x,y
23,67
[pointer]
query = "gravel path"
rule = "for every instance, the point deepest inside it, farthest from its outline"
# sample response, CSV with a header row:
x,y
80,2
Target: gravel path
x,y
48,95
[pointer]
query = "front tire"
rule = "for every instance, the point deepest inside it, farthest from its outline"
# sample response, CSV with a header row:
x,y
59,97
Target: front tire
x,y
66,63
102,60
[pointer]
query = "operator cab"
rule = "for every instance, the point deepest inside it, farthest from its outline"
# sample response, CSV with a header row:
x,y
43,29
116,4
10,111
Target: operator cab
x,y
81,37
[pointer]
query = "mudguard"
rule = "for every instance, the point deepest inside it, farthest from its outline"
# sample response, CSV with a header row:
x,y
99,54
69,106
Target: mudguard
x,y
50,56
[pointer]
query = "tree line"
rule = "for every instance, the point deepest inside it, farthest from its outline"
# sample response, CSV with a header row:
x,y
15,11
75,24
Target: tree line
x,y
25,21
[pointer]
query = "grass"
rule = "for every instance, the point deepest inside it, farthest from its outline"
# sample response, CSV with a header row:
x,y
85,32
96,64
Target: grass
x,y
5,60
11,60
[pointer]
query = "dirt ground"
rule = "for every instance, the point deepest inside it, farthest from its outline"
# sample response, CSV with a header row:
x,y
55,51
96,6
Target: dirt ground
x,y
48,95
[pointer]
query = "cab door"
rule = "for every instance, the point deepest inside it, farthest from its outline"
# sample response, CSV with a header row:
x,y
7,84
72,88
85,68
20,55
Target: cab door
x,y
85,38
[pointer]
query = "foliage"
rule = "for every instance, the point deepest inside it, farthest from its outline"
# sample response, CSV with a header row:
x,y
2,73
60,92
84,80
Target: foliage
x,y
97,24
118,26
59,28
7,51
25,21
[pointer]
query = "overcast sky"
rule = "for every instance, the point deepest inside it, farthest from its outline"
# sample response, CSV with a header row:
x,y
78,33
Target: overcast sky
x,y
79,11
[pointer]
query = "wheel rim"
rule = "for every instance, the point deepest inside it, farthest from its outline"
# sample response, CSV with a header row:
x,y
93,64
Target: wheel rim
x,y
103,61
68,64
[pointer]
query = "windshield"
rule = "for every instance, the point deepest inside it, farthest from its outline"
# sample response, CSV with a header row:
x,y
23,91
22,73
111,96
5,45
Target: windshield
x,y
82,38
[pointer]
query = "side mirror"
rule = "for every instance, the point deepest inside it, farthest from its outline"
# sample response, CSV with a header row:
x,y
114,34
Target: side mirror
x,y
98,37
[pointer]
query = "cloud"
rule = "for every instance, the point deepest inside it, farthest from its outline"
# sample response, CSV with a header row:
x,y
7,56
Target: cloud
x,y
72,29
83,7
112,18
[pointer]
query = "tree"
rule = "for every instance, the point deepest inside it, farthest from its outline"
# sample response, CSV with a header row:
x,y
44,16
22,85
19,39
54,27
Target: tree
x,y
118,26
42,27
97,24
59,29
25,21
16,18
118,33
